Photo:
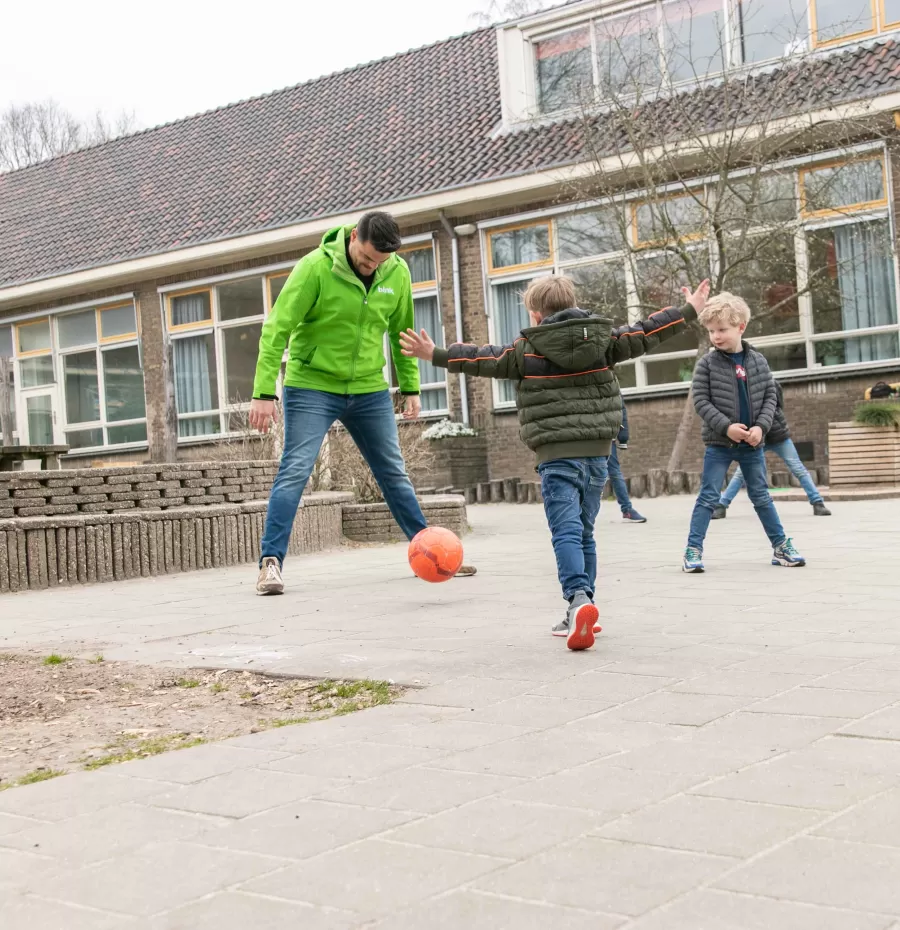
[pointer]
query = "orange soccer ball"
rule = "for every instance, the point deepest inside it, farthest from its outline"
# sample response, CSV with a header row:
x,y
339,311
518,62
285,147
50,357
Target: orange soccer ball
x,y
435,554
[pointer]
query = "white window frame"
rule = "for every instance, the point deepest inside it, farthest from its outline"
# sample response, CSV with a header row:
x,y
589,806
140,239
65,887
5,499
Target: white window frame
x,y
801,225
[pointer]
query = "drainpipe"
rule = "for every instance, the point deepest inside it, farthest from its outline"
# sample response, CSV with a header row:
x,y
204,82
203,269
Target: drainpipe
x,y
457,309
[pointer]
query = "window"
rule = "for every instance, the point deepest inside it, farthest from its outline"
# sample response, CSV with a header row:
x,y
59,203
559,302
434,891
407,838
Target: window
x,y
7,383
890,13
34,337
628,53
839,19
693,39
520,247
215,342
772,28
426,303
818,270
564,70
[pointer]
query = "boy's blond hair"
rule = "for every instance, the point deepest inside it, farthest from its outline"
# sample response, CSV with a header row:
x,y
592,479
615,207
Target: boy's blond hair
x,y
549,294
725,308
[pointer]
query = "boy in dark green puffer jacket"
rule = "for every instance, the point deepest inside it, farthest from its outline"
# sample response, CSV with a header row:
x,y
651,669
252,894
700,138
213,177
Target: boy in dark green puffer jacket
x,y
570,410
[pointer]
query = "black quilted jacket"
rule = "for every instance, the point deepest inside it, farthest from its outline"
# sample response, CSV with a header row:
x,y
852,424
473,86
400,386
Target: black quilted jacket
x,y
716,397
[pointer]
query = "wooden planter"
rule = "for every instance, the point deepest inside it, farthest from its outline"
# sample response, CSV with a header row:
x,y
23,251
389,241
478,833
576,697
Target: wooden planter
x,y
863,455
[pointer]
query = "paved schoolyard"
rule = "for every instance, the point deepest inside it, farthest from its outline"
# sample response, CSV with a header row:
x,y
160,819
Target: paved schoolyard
x,y
727,756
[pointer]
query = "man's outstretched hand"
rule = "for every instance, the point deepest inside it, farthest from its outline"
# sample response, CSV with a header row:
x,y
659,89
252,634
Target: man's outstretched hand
x,y
417,345
697,299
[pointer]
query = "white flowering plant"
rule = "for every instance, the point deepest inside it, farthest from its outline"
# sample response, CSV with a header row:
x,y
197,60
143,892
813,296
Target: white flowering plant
x,y
447,429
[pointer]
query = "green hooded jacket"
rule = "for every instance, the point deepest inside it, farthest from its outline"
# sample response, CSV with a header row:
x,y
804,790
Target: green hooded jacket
x,y
334,329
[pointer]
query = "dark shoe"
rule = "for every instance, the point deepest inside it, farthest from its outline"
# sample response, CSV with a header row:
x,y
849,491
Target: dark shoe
x,y
720,511
465,571
581,619
787,555
820,510
632,516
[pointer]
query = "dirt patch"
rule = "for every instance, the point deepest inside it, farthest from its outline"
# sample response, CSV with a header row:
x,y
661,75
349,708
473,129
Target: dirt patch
x,y
59,714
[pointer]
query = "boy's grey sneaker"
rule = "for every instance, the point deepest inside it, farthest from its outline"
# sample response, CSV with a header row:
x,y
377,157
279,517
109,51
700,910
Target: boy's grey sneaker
x,y
787,555
562,628
270,580
581,618
820,510
720,511
693,560
632,516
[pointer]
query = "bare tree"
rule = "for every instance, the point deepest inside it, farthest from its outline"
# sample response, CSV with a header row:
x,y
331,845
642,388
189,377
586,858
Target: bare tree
x,y
495,11
681,171
34,132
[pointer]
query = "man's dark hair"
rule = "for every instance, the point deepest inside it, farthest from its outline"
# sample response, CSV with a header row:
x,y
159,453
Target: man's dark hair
x,y
380,229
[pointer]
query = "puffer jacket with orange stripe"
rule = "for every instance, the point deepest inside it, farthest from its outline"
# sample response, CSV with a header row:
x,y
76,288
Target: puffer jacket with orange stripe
x,y
567,391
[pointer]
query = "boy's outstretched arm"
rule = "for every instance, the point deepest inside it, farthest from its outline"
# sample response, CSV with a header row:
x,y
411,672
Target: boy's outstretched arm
x,y
486,361
639,338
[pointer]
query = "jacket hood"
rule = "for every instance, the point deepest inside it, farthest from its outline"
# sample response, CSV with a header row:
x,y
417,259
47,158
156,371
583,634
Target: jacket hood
x,y
573,339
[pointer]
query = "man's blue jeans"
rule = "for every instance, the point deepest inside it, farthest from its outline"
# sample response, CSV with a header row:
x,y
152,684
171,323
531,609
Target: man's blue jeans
x,y
369,419
752,463
787,452
572,489
617,480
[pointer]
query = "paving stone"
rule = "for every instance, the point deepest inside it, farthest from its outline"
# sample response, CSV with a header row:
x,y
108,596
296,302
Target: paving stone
x,y
469,692
711,825
607,876
101,835
238,911
198,764
356,761
34,913
751,684
239,793
821,702
10,824
614,687
688,757
18,868
303,830
475,910
883,725
724,910
683,709
822,871
452,734
778,732
537,711
156,879
874,821
374,877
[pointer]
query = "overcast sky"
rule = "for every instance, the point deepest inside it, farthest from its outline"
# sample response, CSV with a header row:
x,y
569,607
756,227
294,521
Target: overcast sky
x,y
171,58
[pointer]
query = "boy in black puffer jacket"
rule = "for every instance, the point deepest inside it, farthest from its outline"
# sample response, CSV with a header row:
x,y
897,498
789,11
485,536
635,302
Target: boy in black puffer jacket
x,y
570,410
734,394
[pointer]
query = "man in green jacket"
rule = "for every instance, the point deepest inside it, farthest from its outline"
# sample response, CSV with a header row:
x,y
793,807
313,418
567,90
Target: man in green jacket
x,y
333,313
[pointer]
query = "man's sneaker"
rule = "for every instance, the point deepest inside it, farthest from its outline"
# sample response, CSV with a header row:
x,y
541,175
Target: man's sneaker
x,y
582,616
693,560
562,628
270,580
787,555
464,571
632,516
720,511
820,510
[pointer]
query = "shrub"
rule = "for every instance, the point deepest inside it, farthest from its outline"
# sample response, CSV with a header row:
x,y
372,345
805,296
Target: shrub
x,y
878,414
448,429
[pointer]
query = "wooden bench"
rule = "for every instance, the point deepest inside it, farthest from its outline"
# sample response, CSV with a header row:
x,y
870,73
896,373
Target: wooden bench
x,y
863,455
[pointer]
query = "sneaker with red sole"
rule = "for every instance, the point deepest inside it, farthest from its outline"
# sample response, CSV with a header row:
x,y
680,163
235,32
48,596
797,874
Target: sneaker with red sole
x,y
562,628
582,616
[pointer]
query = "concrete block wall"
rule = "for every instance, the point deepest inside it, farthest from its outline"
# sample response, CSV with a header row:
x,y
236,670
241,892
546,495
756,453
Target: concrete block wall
x,y
144,487
47,552
374,523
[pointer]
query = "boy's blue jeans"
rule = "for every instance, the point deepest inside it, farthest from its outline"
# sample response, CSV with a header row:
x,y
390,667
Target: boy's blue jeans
x,y
787,452
617,480
752,463
572,489
370,421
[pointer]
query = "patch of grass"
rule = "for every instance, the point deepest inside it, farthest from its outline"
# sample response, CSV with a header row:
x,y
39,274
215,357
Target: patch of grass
x,y
878,414
32,778
55,659
247,695
283,722
218,688
187,683
97,660
128,749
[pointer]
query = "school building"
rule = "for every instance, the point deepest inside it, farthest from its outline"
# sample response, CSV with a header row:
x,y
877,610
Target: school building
x,y
135,275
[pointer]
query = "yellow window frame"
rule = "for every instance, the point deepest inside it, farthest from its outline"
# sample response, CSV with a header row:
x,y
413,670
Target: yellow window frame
x,y
814,31
842,211
512,269
183,327
269,279
882,17
422,285
123,337
33,352
656,243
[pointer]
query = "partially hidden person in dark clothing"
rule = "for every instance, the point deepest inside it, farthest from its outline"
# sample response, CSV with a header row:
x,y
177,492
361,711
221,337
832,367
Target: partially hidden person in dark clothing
x,y
570,411
734,395
617,479
778,440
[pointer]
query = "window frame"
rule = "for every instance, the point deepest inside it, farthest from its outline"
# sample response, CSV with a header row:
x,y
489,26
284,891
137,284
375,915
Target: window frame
x,y
802,225
850,37
522,266
852,209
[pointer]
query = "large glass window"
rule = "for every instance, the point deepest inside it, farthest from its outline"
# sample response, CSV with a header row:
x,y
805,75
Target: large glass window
x,y
820,282
694,38
196,385
837,19
628,53
772,28
564,71
521,245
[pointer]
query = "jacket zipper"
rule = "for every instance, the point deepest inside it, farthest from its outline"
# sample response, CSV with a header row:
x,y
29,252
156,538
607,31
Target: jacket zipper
x,y
353,360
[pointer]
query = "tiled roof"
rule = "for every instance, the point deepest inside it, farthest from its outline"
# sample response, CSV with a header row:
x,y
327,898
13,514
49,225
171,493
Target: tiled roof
x,y
417,123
